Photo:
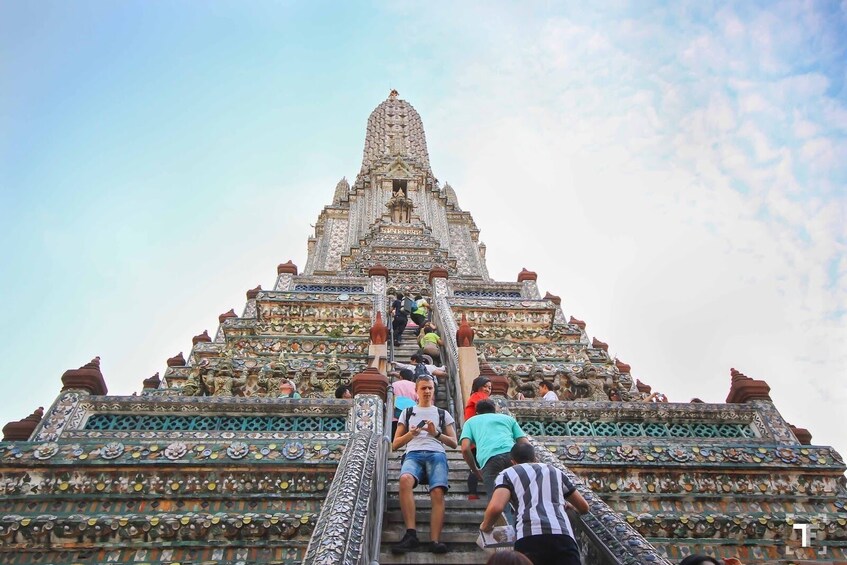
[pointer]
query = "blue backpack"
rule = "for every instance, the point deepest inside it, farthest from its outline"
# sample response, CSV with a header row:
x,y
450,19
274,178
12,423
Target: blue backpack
x,y
409,305
420,371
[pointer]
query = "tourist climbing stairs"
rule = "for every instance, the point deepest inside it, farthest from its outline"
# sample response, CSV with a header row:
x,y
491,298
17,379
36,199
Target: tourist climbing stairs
x,y
462,516
408,344
408,347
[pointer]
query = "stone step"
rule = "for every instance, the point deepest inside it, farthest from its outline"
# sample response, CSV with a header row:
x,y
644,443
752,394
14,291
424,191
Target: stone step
x,y
465,517
452,502
452,455
454,459
422,557
450,533
458,472
458,489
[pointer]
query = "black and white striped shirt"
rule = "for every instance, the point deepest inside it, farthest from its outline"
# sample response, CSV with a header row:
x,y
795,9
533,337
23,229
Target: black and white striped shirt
x,y
538,493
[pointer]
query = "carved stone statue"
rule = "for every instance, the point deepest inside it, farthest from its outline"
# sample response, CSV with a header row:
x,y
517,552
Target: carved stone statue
x,y
221,382
192,385
317,385
564,381
589,384
249,384
273,375
333,369
534,373
520,387
401,207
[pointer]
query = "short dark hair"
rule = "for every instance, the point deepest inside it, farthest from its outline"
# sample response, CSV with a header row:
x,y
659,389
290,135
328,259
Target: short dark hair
x,y
399,296
339,392
486,406
508,557
418,297
546,383
523,452
415,357
428,330
479,382
699,560
407,374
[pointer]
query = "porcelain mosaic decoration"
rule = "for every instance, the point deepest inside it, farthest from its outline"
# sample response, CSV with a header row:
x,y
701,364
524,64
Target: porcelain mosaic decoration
x,y
219,461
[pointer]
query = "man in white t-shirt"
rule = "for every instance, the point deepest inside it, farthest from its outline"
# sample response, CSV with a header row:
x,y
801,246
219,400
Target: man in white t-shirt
x,y
424,430
545,388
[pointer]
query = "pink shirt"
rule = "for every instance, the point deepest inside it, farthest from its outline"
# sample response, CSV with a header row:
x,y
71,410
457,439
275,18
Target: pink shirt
x,y
405,388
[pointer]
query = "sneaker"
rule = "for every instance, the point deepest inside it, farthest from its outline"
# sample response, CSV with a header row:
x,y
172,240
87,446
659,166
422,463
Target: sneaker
x,y
408,543
438,547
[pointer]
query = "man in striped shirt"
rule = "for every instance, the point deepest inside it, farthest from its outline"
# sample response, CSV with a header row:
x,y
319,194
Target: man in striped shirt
x,y
539,493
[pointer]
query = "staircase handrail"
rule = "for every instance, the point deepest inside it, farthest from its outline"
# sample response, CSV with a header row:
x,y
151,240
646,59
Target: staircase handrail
x,y
615,539
390,359
343,532
601,555
378,510
450,355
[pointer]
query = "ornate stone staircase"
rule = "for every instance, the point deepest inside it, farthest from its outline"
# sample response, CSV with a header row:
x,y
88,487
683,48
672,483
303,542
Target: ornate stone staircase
x,y
462,516
461,520
408,344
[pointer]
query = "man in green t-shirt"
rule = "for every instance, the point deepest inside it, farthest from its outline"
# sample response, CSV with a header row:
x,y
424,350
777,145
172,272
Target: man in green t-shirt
x,y
494,435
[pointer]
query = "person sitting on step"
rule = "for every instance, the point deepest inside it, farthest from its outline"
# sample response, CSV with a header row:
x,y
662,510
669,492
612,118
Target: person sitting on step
x,y
545,389
424,430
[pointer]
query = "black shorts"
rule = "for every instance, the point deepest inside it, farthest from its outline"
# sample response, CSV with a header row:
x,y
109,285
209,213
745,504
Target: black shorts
x,y
549,549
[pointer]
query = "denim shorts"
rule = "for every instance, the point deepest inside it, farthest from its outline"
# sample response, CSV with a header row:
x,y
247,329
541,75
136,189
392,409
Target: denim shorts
x,y
428,467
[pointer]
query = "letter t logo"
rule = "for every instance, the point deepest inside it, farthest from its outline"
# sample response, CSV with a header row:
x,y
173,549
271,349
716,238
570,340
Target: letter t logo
x,y
804,536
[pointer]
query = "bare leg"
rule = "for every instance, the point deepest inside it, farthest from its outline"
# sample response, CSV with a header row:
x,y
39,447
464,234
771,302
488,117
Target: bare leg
x,y
407,500
436,520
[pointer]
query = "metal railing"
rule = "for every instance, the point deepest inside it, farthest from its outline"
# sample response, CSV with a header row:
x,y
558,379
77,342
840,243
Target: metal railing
x,y
449,354
390,342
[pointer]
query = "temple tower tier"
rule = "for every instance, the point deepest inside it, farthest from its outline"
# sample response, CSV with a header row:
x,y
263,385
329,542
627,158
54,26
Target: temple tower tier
x,y
266,440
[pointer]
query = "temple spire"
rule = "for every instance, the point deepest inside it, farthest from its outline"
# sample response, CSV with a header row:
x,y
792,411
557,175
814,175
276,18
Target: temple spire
x,y
342,189
395,130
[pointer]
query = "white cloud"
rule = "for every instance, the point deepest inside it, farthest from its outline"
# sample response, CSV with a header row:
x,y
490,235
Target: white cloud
x,y
709,243
804,128
678,182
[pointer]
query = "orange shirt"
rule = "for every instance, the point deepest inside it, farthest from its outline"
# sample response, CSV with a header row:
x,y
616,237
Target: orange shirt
x,y
470,407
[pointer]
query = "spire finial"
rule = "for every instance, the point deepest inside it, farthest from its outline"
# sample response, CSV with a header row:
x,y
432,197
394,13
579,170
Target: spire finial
x,y
393,93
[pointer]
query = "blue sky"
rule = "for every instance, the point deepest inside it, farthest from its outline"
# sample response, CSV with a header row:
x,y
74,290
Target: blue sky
x,y
676,172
